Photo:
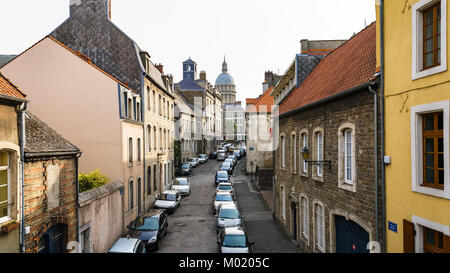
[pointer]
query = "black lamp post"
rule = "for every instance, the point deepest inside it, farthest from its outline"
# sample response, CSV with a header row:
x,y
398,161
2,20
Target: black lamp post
x,y
319,163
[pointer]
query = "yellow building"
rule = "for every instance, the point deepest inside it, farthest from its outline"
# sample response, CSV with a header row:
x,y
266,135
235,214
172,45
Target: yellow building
x,y
417,101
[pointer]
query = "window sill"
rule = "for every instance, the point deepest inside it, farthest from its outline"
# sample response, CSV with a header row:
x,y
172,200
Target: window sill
x,y
347,186
304,174
130,164
432,191
317,178
8,226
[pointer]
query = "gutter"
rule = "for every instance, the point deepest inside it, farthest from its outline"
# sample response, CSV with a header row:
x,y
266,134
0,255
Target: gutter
x,y
327,99
375,104
383,169
21,121
78,201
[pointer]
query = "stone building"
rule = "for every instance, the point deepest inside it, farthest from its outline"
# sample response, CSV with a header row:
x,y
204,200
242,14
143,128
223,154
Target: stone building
x,y
205,103
12,105
50,189
327,188
101,114
225,85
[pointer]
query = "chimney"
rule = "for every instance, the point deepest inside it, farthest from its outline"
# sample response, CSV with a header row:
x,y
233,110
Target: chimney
x,y
160,67
304,46
265,86
203,75
88,9
170,76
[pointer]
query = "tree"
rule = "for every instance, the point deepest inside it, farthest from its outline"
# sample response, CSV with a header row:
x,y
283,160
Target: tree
x,y
92,180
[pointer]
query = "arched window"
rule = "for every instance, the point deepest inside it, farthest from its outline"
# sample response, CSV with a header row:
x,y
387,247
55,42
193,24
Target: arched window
x,y
304,140
294,153
139,150
130,151
131,194
319,221
305,218
283,150
346,157
149,180
149,137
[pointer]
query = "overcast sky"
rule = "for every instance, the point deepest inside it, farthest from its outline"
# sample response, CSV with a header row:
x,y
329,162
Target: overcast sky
x,y
255,35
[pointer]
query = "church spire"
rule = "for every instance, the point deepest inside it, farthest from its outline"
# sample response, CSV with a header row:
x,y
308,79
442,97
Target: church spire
x,y
224,65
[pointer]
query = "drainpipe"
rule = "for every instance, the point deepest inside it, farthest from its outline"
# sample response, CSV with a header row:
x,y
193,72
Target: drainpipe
x,y
375,111
78,201
21,121
383,170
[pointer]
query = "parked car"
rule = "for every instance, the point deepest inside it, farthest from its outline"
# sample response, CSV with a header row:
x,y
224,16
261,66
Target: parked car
x,y
231,162
168,200
150,228
222,150
186,168
222,198
234,240
234,158
226,166
194,162
222,176
202,158
237,153
213,155
221,157
225,187
228,216
128,245
182,185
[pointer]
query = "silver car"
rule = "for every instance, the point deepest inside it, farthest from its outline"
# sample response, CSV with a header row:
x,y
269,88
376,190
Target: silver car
x,y
182,185
128,245
222,198
234,240
228,216
168,200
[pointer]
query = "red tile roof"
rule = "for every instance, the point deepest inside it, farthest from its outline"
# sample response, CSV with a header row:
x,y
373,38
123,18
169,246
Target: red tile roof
x,y
10,90
350,65
263,103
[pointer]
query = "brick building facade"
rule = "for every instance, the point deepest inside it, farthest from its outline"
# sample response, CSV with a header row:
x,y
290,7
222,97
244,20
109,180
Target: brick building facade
x,y
50,189
327,190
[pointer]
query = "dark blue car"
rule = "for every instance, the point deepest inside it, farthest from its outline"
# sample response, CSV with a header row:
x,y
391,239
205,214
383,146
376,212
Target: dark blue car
x,y
222,176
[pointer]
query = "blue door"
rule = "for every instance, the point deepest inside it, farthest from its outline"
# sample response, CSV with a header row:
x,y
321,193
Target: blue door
x,y
350,237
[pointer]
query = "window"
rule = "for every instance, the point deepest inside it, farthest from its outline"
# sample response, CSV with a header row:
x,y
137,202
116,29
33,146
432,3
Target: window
x,y
148,99
305,218
348,156
154,138
154,178
154,101
304,144
160,140
294,153
131,194
149,180
4,185
138,111
283,203
429,36
320,232
149,137
434,241
164,108
283,163
430,149
319,152
160,105
433,152
130,151
139,150
125,100
130,108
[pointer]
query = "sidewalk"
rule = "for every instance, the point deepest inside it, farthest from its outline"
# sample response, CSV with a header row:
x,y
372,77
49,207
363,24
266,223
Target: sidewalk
x,y
258,220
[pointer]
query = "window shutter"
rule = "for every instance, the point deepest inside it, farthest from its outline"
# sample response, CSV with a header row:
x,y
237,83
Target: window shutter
x,y
408,237
446,244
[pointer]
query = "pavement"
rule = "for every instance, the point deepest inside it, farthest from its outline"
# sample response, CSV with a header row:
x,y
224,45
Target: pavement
x,y
192,227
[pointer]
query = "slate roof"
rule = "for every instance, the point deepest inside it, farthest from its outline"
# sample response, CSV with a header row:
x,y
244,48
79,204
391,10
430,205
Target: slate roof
x,y
6,58
190,84
9,91
350,65
263,104
41,140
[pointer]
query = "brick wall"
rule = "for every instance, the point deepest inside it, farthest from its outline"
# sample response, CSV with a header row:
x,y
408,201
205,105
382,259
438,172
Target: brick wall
x,y
37,215
358,110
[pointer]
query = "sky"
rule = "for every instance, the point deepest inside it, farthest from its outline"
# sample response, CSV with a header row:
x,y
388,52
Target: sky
x,y
254,35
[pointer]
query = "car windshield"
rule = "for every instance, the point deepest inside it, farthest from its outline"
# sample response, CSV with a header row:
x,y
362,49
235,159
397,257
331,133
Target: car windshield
x,y
225,164
234,241
185,166
229,214
222,175
225,187
202,156
224,197
231,157
180,182
193,159
145,224
168,197
228,160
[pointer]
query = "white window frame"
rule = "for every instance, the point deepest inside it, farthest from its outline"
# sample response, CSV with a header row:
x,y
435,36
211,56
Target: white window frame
x,y
304,210
319,152
317,231
417,40
419,223
8,186
294,153
343,181
417,148
283,151
304,138
317,171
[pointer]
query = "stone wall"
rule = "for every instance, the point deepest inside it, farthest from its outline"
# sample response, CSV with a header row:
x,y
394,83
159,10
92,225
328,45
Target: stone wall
x,y
50,199
357,109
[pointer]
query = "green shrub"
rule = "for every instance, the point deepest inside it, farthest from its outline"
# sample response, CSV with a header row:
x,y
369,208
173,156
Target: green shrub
x,y
92,180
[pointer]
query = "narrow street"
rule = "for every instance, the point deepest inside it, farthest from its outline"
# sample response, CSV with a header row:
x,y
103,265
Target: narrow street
x,y
192,227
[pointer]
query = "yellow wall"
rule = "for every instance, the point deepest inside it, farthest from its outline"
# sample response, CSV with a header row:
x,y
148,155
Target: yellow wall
x,y
401,202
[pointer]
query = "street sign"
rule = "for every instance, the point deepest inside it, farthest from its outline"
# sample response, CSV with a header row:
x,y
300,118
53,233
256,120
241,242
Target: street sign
x,y
392,226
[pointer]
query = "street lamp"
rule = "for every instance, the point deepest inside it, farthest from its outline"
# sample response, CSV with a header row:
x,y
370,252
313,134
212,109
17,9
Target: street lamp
x,y
319,163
